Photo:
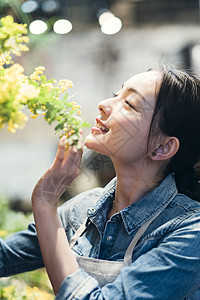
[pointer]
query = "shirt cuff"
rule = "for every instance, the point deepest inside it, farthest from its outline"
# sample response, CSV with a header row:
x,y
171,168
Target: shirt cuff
x,y
77,286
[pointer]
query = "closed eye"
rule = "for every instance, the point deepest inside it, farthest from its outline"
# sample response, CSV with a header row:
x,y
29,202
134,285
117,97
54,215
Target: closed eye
x,y
114,95
127,102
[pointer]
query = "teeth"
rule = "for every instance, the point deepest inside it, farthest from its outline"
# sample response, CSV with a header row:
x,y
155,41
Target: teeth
x,y
102,127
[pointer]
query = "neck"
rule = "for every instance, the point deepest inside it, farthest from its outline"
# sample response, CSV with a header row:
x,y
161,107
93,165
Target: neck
x,y
133,183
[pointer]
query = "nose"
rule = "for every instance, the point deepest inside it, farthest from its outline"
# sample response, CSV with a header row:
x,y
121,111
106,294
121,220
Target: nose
x,y
105,108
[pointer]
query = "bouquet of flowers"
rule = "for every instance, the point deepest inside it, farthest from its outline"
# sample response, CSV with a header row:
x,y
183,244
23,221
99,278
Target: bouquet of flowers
x,y
39,95
27,293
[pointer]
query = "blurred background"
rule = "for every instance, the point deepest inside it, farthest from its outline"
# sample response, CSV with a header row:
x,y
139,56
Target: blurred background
x,y
98,45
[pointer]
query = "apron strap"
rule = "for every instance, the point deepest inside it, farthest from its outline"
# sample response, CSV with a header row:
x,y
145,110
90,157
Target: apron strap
x,y
129,251
77,233
139,233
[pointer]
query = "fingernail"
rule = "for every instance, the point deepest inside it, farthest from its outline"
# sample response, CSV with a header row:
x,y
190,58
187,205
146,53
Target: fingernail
x,y
63,140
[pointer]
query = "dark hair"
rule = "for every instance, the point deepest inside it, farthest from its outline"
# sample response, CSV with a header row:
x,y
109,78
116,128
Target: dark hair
x,y
177,113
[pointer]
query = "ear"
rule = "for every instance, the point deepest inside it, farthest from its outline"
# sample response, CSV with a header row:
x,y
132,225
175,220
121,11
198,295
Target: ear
x,y
167,149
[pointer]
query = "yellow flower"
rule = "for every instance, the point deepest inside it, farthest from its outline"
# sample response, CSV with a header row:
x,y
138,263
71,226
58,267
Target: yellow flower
x,y
18,90
26,92
8,292
23,38
38,71
5,59
64,84
34,77
36,294
47,119
23,48
11,128
14,292
50,86
34,116
75,106
15,69
3,233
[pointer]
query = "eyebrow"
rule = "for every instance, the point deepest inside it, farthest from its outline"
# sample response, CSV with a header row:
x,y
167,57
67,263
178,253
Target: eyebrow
x,y
132,90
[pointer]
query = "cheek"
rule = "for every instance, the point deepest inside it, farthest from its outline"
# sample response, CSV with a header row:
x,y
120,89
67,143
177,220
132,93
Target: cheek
x,y
131,150
129,141
127,129
127,138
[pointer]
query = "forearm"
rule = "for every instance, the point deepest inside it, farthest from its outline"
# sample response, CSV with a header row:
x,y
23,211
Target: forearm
x,y
57,255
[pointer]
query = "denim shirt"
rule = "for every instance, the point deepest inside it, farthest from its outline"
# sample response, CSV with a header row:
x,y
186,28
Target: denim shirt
x,y
165,261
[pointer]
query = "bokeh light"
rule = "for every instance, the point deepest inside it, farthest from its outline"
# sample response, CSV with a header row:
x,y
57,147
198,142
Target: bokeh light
x,y
38,27
29,6
62,26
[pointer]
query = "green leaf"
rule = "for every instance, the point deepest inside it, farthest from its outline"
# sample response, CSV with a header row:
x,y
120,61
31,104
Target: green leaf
x,y
59,126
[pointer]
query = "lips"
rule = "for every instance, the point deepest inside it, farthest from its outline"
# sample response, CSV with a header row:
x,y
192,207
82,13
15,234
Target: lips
x,y
102,127
99,127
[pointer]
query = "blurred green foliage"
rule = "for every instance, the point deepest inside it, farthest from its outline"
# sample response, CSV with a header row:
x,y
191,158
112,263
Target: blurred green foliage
x,y
11,222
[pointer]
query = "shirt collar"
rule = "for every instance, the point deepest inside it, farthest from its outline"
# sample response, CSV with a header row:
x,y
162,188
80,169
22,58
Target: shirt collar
x,y
148,206
98,212
139,212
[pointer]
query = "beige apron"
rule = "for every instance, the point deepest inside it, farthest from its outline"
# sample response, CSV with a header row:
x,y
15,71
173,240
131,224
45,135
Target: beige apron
x,y
105,271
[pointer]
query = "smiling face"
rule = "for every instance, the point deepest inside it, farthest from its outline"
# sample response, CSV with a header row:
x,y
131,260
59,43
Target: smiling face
x,y
122,128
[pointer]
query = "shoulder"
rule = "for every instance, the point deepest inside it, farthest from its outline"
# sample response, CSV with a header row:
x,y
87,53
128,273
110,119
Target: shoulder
x,y
79,204
180,218
75,209
187,204
183,223
186,214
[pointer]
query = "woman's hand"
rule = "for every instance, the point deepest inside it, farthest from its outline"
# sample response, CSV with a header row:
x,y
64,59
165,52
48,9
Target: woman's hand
x,y
60,175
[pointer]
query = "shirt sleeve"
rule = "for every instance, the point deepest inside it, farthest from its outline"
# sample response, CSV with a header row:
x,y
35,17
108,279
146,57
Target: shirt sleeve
x,y
78,286
20,252
169,269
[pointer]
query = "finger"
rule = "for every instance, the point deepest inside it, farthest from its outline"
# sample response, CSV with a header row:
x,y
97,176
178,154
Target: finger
x,y
72,156
79,160
80,144
60,155
81,139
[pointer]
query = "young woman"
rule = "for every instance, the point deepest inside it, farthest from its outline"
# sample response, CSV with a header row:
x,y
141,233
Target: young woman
x,y
139,237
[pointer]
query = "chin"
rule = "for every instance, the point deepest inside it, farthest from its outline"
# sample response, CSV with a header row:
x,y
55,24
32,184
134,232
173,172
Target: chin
x,y
94,144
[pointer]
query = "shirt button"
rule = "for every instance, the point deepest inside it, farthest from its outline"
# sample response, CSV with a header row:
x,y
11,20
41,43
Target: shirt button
x,y
109,238
91,210
116,218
